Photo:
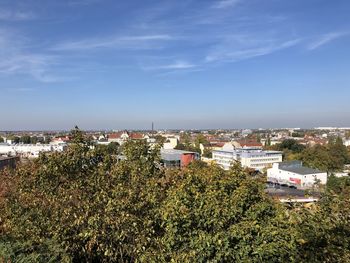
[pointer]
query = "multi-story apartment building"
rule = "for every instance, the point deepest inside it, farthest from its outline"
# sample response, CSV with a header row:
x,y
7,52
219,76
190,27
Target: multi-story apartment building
x,y
254,158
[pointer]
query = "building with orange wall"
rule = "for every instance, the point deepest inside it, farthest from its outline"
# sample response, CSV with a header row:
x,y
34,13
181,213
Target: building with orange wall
x,y
177,158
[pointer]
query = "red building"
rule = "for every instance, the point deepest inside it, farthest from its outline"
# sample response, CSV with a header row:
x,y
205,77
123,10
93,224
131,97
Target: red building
x,y
177,158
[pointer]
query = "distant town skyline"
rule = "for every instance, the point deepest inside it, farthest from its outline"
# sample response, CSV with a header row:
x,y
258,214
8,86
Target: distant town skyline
x,y
104,64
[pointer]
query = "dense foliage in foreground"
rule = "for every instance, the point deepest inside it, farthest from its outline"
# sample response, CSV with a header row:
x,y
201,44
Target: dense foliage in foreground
x,y
85,205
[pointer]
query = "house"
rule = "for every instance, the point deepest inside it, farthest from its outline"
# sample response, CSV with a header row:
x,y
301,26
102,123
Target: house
x,y
177,158
119,137
151,140
122,136
60,139
247,143
295,174
254,158
136,136
211,146
246,132
170,143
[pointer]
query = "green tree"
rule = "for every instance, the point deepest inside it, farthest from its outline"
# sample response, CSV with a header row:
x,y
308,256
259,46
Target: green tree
x,y
200,139
318,157
160,139
337,184
207,153
324,229
15,139
25,139
34,140
94,206
338,151
78,136
47,139
292,145
298,134
258,137
111,148
215,216
328,158
185,138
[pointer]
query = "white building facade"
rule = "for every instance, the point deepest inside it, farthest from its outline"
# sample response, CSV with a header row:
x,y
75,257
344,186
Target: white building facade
x,y
248,157
347,142
295,174
170,143
30,150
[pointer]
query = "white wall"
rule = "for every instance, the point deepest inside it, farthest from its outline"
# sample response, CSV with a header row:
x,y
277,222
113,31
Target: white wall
x,y
306,180
260,163
225,159
347,142
171,144
29,150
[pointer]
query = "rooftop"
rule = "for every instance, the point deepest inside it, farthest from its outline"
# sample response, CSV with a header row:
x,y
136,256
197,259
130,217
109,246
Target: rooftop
x,y
297,167
174,151
248,150
301,170
6,157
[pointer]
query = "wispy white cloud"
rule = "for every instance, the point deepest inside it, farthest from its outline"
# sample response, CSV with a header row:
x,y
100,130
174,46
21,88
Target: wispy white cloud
x,y
15,59
180,72
9,15
36,65
226,3
177,65
124,42
21,89
325,39
228,54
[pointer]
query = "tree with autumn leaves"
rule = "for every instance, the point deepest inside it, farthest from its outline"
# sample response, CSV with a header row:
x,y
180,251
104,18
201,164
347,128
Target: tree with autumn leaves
x,y
88,205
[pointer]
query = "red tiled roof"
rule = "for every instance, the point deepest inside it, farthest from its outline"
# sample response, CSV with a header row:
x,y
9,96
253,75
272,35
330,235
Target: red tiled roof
x,y
248,143
136,136
217,144
62,138
116,135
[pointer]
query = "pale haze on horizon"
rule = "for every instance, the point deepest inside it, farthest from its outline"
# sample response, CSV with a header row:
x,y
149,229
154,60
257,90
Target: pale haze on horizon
x,y
105,64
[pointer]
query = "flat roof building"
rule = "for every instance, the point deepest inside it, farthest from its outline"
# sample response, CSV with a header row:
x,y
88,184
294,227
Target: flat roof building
x,y
177,158
295,174
29,150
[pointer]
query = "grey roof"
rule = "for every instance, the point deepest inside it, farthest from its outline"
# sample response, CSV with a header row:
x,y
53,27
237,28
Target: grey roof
x,y
173,154
174,151
301,170
7,157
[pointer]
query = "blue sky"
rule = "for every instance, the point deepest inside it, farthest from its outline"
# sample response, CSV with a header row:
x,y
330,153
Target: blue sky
x,y
106,64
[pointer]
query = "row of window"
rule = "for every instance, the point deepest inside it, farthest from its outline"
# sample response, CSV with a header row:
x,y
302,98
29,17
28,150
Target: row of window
x,y
264,160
